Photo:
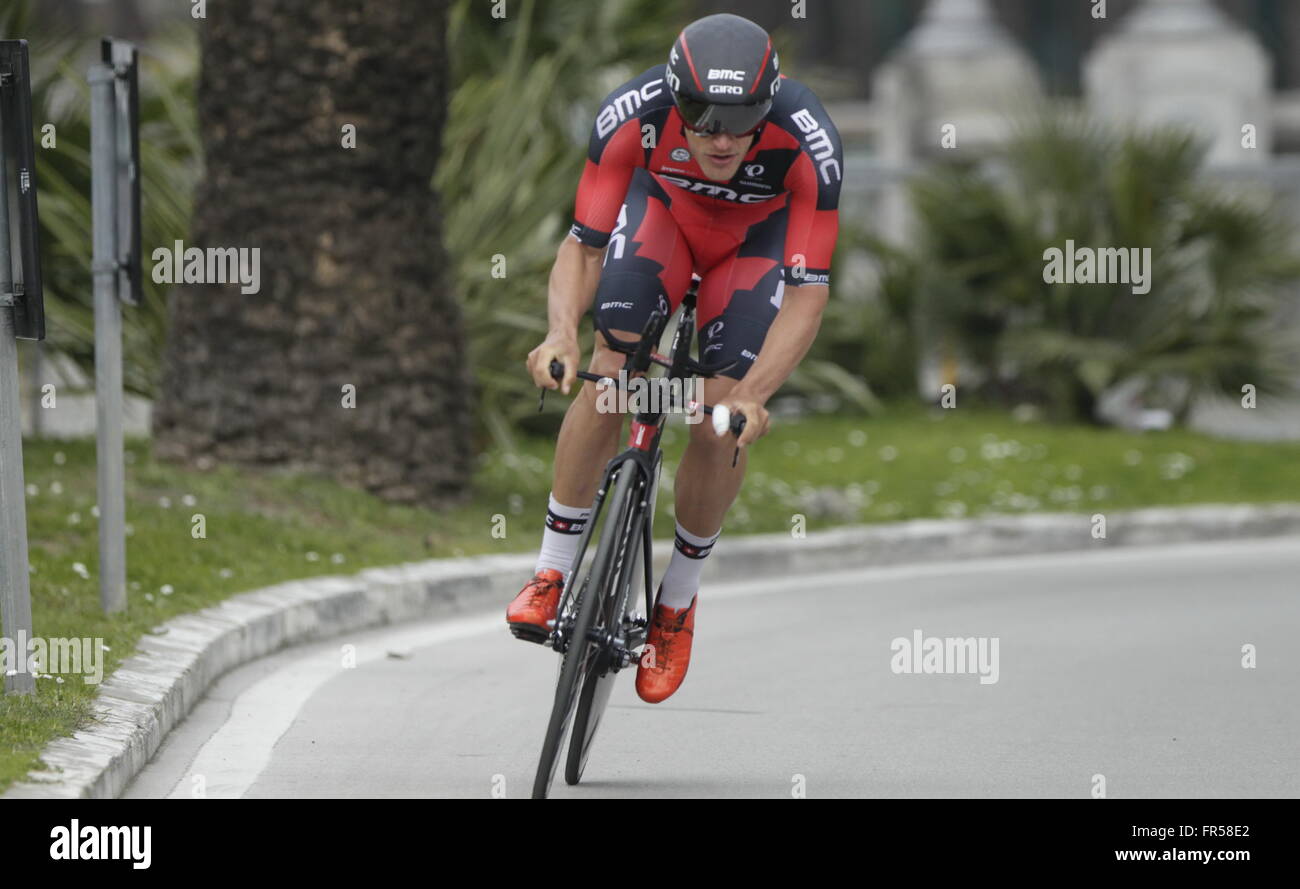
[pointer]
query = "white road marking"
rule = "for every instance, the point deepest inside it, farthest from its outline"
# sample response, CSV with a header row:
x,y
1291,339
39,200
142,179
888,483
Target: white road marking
x,y
235,755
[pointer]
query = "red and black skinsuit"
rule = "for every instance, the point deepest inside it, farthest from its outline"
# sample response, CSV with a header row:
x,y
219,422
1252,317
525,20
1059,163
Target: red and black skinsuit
x,y
771,226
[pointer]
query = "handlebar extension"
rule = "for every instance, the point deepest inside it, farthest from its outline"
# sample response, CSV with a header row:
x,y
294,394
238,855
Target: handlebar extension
x,y
724,420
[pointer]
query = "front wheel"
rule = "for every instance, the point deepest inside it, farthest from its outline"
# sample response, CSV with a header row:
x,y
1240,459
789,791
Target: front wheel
x,y
581,654
600,678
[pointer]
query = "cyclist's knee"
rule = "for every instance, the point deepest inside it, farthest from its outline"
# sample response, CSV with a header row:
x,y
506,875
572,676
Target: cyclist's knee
x,y
608,363
626,298
605,360
705,440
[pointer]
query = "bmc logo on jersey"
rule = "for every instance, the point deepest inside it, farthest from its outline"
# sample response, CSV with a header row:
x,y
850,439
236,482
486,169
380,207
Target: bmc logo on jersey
x,y
725,74
721,192
624,106
819,144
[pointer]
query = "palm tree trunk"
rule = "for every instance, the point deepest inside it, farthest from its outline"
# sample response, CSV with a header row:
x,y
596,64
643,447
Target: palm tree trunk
x,y
355,288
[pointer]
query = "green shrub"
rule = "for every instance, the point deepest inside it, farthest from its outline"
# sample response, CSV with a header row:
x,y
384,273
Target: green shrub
x,y
1221,265
527,89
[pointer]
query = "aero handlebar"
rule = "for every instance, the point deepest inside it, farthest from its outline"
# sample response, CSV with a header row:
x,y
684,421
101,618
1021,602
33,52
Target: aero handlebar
x,y
724,420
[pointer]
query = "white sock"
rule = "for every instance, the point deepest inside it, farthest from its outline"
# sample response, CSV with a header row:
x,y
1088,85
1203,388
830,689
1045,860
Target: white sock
x,y
564,526
682,579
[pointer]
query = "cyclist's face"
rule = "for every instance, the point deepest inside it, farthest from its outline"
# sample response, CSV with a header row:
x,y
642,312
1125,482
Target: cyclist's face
x,y
719,155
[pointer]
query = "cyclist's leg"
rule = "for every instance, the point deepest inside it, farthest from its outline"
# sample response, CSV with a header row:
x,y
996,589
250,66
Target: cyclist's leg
x,y
647,267
739,298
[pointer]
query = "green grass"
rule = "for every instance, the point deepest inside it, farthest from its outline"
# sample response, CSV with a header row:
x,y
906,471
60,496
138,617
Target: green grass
x,y
265,527
918,464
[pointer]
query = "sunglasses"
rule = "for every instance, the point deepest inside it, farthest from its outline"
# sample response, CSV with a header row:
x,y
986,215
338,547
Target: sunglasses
x,y
706,118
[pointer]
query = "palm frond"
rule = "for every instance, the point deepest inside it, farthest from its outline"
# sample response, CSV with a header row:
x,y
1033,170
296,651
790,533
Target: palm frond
x,y
1222,267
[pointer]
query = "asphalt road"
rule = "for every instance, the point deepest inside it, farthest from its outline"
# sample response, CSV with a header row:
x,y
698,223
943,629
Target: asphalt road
x,y
1125,663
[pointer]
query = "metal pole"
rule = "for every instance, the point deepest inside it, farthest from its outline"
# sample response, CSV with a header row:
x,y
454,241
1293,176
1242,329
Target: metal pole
x,y
36,373
15,583
108,342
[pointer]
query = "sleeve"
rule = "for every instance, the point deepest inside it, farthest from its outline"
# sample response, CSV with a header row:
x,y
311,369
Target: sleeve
x,y
813,183
611,159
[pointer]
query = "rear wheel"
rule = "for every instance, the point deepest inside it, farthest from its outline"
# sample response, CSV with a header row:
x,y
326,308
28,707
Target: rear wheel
x,y
580,658
596,689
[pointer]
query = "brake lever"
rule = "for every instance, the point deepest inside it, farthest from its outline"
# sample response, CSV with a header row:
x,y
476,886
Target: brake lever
x,y
557,373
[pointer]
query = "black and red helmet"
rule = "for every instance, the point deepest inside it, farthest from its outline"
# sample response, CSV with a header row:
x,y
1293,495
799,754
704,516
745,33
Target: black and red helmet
x,y
723,73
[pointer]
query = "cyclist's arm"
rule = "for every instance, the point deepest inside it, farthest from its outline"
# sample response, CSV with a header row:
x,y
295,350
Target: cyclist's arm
x,y
573,284
811,230
610,163
612,157
788,341
574,278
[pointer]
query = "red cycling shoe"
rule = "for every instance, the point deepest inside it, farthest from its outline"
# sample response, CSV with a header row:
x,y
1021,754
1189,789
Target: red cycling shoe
x,y
667,654
532,613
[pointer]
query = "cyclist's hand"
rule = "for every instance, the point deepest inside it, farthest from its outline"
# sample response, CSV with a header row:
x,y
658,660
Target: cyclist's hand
x,y
561,347
756,419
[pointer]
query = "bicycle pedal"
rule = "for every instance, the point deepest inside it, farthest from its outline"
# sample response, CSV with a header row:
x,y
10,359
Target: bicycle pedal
x,y
530,633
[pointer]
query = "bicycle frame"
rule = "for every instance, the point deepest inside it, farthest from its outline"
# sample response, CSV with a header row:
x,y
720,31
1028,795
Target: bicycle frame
x,y
644,455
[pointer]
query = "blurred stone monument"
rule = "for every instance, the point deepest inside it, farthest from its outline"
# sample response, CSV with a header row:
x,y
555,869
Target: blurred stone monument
x,y
958,68
1184,62
955,85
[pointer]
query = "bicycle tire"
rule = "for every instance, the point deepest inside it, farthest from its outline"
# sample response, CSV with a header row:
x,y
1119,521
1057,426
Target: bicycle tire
x,y
581,650
598,682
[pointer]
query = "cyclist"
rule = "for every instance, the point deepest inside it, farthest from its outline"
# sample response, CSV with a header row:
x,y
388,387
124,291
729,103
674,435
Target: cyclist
x,y
713,165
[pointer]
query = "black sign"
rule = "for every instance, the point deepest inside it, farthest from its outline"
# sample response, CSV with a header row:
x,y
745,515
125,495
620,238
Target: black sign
x,y
123,58
20,179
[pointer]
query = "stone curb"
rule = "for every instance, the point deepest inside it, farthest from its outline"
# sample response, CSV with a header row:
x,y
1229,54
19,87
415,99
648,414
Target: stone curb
x,y
153,691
